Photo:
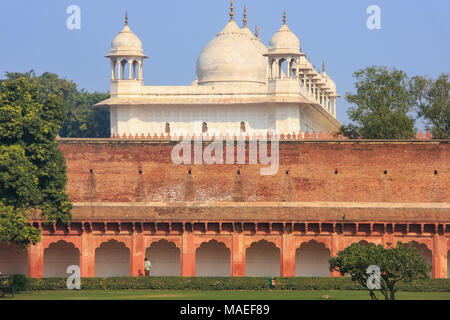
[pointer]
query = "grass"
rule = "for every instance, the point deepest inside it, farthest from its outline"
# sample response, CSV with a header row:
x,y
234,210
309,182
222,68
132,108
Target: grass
x,y
216,295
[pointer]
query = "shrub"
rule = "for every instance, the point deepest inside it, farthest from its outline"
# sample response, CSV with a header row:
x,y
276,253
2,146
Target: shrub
x,y
20,282
225,283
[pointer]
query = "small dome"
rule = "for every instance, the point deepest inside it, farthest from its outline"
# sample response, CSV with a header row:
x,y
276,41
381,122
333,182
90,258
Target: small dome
x,y
284,41
126,43
231,57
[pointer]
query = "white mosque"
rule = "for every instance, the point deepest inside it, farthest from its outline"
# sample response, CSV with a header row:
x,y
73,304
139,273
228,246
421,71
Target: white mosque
x,y
242,87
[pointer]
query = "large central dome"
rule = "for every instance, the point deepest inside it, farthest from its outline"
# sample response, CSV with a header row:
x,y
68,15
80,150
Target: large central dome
x,y
231,58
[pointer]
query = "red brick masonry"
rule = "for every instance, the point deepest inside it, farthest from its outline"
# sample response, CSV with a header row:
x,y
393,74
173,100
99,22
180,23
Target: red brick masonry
x,y
332,191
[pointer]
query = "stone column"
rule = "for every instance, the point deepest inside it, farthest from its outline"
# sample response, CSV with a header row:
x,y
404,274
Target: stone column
x,y
278,69
238,255
335,248
112,68
288,255
187,255
137,254
36,261
288,67
119,69
334,106
439,258
130,69
87,255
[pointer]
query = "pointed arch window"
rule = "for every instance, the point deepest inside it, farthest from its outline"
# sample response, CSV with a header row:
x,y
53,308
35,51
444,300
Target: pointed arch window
x,y
204,127
167,129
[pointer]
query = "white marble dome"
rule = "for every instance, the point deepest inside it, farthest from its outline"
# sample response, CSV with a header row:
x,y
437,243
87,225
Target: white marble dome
x,y
126,43
284,41
231,58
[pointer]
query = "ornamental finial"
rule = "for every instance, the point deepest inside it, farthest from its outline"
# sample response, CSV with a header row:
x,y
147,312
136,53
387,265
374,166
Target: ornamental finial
x,y
284,16
256,31
126,18
323,66
245,16
231,11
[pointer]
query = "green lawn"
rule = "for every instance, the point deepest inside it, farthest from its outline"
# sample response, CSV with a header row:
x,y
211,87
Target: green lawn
x,y
217,295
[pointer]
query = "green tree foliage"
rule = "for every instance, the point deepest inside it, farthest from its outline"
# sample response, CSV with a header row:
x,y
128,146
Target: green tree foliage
x,y
433,104
32,168
83,120
382,103
401,263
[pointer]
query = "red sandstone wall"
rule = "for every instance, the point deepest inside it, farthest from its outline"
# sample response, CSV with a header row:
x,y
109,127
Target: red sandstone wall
x,y
360,174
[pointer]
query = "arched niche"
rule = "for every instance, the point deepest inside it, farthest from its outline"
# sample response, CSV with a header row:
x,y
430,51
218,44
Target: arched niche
x,y
13,259
311,259
212,259
262,259
165,258
112,259
58,256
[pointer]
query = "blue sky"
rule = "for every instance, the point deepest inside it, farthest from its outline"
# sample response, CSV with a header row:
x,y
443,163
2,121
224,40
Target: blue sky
x,y
414,36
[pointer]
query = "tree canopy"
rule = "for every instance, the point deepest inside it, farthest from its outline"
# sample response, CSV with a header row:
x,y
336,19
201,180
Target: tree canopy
x,y
381,105
32,168
83,120
432,99
34,110
394,264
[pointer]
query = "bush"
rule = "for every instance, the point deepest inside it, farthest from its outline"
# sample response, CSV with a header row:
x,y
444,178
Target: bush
x,y
20,282
225,283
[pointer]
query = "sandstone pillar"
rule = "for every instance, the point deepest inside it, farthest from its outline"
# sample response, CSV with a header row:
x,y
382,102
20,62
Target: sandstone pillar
x,y
187,255
334,249
439,258
238,255
137,254
288,255
87,255
36,261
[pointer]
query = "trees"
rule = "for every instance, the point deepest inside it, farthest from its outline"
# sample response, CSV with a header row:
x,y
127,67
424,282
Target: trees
x,y
399,263
383,101
432,99
32,168
83,120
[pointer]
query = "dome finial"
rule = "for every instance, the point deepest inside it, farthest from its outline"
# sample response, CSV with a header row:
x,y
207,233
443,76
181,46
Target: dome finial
x,y
231,11
126,18
245,16
256,31
323,66
284,16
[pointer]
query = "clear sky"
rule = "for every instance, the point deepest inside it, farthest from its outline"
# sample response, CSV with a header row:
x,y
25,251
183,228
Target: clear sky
x,y
414,36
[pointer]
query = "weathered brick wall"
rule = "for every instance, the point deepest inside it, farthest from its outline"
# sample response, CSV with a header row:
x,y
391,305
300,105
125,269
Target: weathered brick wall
x,y
134,170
